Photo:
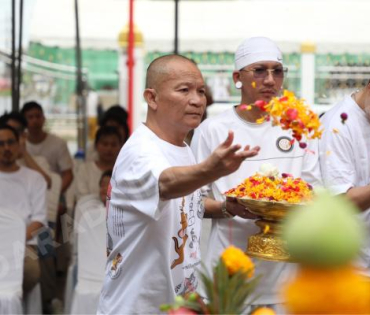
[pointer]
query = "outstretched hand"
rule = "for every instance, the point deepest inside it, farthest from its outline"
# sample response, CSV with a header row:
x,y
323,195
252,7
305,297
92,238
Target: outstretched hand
x,y
227,157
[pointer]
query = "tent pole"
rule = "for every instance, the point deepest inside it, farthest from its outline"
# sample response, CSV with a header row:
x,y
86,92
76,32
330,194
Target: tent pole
x,y
176,41
13,65
20,52
130,65
81,103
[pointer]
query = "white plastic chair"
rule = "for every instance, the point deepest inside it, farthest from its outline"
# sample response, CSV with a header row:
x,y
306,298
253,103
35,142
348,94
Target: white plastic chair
x,y
90,227
84,204
12,248
53,197
33,301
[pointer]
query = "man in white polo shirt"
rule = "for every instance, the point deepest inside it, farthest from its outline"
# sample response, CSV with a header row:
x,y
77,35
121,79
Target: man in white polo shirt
x,y
345,157
259,74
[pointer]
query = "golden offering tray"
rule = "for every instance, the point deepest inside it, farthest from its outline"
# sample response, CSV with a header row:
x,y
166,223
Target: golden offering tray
x,y
268,244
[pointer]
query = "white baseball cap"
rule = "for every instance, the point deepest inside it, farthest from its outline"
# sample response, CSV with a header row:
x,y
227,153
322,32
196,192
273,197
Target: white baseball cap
x,y
256,49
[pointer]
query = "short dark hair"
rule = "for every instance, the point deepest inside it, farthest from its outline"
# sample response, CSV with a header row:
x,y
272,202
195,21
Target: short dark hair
x,y
107,173
7,127
119,115
17,116
107,131
31,105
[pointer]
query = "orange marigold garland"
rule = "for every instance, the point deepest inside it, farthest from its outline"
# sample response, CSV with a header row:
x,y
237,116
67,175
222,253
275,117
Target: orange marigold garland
x,y
291,114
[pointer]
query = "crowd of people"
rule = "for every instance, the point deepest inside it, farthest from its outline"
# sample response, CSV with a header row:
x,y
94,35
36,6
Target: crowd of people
x,y
157,189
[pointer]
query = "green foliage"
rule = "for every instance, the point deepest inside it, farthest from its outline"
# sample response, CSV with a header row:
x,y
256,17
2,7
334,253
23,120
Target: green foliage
x,y
225,294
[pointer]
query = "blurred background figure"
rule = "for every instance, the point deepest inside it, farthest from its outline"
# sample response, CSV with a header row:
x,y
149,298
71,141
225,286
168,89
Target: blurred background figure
x,y
115,116
108,142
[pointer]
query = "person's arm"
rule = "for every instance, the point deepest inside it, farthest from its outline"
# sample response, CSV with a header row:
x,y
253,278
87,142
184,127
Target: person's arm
x,y
360,196
180,181
38,205
226,209
32,229
31,163
67,177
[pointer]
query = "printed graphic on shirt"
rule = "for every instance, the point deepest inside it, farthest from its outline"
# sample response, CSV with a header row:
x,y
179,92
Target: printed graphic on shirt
x,y
191,215
194,242
200,204
115,269
285,144
189,285
117,219
180,246
109,243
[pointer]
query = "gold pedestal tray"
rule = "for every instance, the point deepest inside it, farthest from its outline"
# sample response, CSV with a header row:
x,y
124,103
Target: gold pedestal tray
x,y
268,244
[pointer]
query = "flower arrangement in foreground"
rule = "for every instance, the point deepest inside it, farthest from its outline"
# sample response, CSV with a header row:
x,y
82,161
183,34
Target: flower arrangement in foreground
x,y
291,114
269,186
325,239
227,290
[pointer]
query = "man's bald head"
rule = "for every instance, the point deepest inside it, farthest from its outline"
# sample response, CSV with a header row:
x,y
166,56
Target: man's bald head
x,y
159,69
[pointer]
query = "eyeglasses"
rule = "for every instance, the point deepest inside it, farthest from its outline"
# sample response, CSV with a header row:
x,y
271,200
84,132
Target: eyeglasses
x,y
261,73
9,142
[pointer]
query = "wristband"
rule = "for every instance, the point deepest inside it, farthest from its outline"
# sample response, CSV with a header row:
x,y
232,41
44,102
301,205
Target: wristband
x,y
224,211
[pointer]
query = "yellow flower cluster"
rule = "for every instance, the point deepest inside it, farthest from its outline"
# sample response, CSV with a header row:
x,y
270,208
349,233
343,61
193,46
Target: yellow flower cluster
x,y
293,114
289,189
328,291
236,261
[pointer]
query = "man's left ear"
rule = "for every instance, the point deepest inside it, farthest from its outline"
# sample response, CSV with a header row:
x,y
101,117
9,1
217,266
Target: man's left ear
x,y
150,96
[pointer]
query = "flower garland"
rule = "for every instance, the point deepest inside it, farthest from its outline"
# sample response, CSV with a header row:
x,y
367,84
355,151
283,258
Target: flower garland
x,y
273,188
291,114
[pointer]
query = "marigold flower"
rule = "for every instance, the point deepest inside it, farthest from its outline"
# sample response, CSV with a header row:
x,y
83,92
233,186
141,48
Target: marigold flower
x,y
236,261
328,291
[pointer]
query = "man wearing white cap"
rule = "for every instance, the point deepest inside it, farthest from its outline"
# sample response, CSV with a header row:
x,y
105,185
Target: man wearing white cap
x,y
259,74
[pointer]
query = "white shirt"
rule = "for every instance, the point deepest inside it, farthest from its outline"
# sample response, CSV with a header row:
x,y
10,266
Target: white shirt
x,y
276,149
87,179
345,157
154,245
55,150
24,191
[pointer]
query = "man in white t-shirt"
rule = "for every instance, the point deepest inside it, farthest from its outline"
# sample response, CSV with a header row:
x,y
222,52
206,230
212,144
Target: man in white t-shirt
x,y
155,206
37,163
259,74
345,157
24,191
41,143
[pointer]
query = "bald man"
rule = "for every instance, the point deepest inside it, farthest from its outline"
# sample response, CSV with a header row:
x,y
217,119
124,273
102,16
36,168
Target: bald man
x,y
154,203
